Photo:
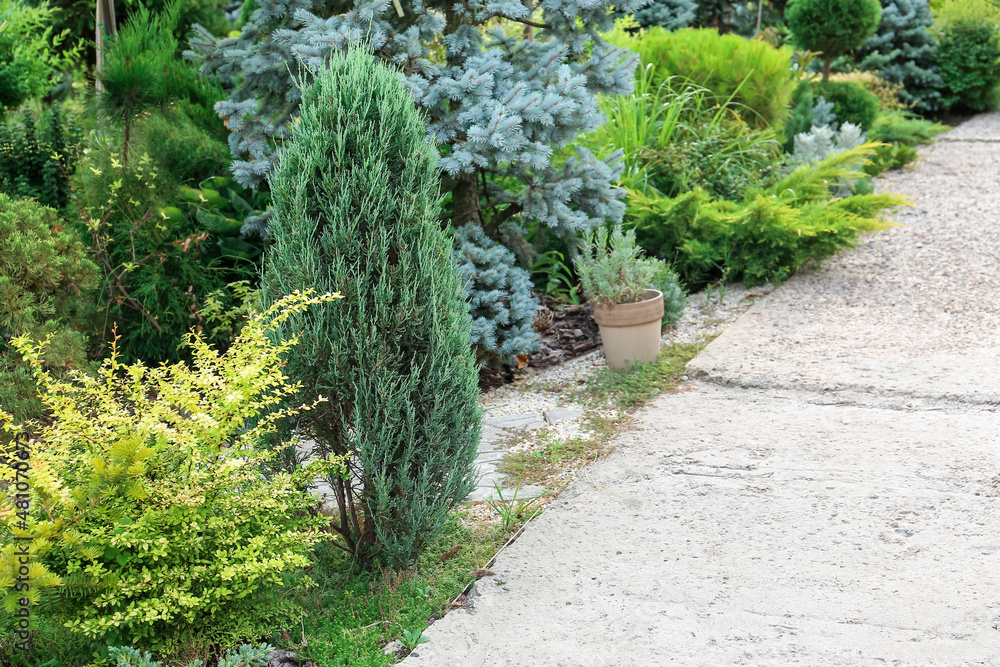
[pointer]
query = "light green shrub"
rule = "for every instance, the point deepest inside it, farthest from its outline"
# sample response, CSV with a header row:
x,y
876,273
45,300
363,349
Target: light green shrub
x,y
754,75
154,517
769,235
33,56
675,137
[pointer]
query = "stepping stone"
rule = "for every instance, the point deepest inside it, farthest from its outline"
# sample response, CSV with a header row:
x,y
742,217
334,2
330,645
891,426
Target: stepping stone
x,y
488,457
490,434
523,420
556,416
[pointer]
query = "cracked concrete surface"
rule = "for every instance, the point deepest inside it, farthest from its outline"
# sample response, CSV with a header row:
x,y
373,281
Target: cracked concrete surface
x,y
827,494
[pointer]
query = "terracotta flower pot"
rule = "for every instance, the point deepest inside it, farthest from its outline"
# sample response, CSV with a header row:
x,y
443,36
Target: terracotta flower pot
x,y
630,332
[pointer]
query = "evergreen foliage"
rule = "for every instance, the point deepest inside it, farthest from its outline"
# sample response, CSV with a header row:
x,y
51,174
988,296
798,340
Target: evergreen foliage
x,y
851,102
888,93
500,301
152,518
969,63
499,102
157,266
753,75
668,14
37,156
44,278
769,235
832,27
136,72
33,55
674,298
904,51
355,202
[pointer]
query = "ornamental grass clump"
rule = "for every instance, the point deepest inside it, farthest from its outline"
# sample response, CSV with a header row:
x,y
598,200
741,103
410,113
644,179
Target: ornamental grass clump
x,y
153,512
355,210
615,274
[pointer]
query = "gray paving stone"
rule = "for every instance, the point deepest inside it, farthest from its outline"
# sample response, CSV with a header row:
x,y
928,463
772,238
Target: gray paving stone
x,y
491,434
525,419
488,457
556,416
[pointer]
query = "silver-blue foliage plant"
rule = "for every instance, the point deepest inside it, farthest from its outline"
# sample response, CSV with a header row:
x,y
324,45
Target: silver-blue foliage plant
x,y
903,50
502,308
506,87
668,14
500,103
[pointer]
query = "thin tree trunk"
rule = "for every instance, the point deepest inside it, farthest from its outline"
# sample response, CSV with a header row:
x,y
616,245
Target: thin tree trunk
x,y
106,25
760,13
465,200
827,64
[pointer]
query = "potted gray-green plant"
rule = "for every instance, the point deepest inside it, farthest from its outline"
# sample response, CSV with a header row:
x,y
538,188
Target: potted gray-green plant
x,y
616,280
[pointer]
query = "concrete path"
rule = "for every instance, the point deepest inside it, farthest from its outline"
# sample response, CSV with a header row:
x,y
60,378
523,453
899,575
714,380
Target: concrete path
x,y
828,493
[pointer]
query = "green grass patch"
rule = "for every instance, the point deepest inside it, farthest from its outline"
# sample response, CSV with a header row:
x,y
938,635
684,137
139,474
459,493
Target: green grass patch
x,y
351,614
552,460
632,389
548,463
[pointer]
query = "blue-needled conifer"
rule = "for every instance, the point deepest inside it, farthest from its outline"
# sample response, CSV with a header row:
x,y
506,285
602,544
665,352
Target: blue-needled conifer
x,y
500,301
356,210
903,50
504,86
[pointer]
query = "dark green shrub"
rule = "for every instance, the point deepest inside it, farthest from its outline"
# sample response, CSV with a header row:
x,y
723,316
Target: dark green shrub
x,y
33,56
753,74
769,235
44,279
135,72
157,267
851,103
356,205
901,132
182,148
832,27
37,157
969,63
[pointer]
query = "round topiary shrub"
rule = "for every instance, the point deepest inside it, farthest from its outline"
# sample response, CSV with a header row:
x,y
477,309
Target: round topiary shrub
x,y
969,63
832,27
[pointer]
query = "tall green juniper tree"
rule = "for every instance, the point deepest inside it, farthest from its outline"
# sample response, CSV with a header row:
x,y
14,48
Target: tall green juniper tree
x,y
505,85
903,50
355,210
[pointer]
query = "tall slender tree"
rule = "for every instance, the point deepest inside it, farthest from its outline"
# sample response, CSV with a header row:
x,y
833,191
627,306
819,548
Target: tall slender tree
x,y
356,206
